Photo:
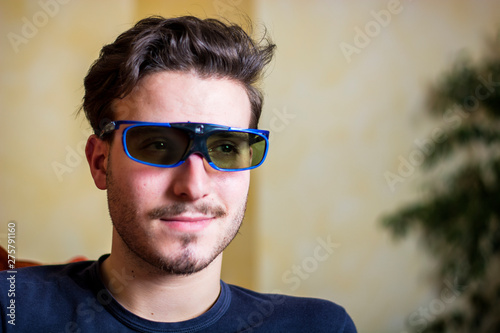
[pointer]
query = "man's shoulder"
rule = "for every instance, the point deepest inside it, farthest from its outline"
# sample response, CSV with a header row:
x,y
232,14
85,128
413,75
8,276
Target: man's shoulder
x,y
39,283
279,298
51,296
279,310
47,273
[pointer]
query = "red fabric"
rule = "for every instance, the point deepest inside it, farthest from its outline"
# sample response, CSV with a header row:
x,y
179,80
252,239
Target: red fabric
x,y
4,261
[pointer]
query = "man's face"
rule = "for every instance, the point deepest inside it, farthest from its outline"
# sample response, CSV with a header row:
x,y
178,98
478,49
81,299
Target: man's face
x,y
177,219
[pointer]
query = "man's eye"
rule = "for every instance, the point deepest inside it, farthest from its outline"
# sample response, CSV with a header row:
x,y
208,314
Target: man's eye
x,y
228,148
225,148
157,145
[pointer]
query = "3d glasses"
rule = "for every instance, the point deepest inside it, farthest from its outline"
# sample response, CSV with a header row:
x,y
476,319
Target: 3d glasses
x,y
168,145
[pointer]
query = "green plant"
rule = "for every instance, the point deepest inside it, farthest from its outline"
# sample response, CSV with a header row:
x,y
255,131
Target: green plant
x,y
458,216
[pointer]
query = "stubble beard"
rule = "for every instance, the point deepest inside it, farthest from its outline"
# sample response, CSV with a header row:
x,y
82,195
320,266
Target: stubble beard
x,y
126,220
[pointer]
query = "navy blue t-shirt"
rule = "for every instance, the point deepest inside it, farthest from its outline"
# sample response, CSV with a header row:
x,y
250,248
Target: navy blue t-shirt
x,y
72,298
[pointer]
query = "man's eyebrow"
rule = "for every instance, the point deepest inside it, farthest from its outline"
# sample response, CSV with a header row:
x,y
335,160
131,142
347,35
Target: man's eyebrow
x,y
232,134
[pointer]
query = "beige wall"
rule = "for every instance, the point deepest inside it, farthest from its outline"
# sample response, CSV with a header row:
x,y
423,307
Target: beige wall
x,y
339,123
350,119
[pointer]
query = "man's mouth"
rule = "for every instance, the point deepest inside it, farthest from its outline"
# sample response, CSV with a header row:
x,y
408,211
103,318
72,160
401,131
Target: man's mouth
x,y
187,217
187,223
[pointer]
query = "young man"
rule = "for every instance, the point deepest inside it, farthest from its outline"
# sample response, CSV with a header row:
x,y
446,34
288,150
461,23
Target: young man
x,y
174,108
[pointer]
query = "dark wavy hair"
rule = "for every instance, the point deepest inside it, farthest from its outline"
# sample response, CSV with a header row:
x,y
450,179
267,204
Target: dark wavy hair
x,y
208,47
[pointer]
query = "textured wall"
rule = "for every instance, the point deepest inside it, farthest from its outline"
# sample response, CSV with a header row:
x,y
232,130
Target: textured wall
x,y
346,103
344,100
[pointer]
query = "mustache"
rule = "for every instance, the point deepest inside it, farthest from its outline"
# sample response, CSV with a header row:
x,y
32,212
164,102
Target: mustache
x,y
177,209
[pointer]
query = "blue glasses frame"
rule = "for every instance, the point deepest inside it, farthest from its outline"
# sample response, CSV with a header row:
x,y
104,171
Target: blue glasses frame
x,y
198,135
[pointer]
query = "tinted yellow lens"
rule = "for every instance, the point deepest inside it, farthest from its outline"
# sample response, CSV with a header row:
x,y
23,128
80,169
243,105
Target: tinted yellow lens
x,y
235,150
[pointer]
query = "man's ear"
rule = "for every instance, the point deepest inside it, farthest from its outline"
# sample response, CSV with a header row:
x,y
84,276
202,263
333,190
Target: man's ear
x,y
97,152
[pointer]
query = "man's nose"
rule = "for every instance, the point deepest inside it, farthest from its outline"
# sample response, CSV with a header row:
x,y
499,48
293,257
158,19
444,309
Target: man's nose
x,y
192,178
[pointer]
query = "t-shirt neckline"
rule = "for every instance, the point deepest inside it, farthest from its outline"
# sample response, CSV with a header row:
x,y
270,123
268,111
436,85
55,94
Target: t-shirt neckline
x,y
140,324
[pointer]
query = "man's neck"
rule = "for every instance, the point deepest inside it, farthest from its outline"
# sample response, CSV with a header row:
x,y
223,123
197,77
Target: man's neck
x,y
161,297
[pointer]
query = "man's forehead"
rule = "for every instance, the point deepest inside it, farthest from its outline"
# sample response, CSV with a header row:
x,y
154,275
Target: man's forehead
x,y
170,96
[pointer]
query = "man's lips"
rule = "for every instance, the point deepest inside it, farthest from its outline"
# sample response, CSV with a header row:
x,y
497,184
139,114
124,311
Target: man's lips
x,y
187,217
182,211
187,223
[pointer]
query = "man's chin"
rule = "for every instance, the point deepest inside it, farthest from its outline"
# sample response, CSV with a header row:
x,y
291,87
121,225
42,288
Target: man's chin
x,y
184,262
182,266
